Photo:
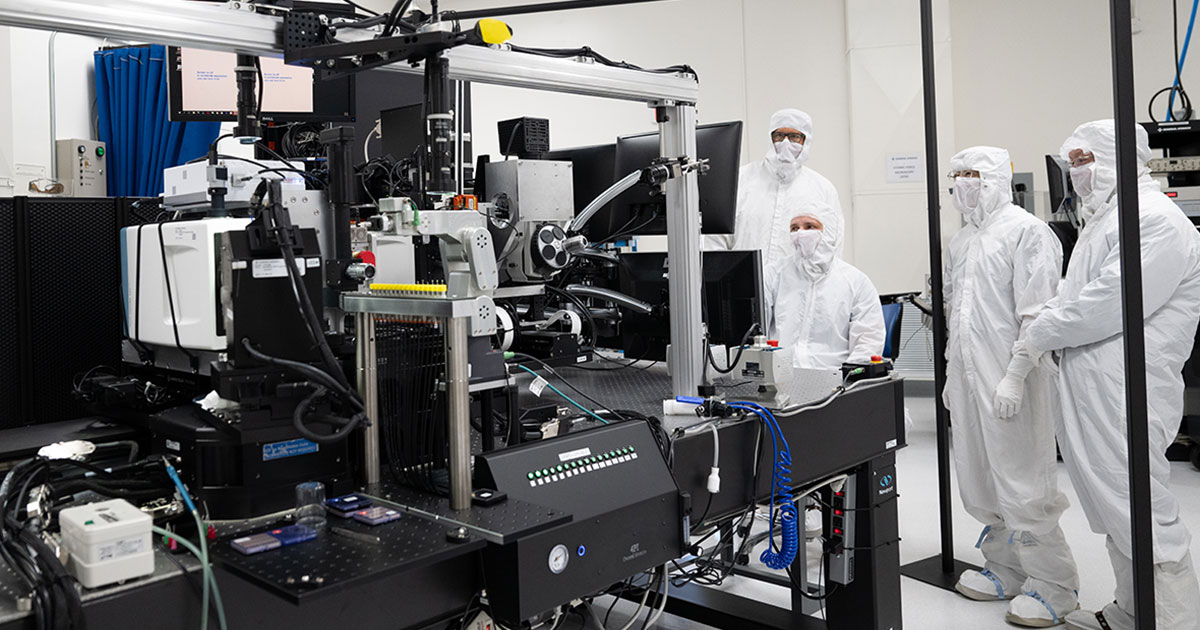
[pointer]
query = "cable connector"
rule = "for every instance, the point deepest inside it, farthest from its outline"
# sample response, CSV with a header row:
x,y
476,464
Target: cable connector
x,y
714,480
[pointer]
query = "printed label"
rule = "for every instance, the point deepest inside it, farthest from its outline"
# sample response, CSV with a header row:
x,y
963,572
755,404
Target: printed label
x,y
121,548
576,454
290,448
538,386
273,268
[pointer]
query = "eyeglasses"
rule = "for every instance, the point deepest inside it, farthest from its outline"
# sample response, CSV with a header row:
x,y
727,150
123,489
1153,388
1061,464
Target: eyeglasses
x,y
1081,159
964,173
777,136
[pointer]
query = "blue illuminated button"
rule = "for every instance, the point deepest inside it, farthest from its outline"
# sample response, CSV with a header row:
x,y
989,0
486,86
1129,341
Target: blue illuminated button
x,y
582,551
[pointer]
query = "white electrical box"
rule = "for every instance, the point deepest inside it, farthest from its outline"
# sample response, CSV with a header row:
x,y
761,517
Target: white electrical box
x,y
108,542
186,186
188,256
82,167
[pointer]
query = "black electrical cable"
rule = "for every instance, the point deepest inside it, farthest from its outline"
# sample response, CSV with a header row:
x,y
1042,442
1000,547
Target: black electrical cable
x,y
312,373
266,169
360,7
737,357
1177,88
622,365
587,52
212,149
512,136
162,247
396,17
304,303
262,87
545,365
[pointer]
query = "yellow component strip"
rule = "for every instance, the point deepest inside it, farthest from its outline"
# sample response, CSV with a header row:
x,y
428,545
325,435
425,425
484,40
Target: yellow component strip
x,y
409,288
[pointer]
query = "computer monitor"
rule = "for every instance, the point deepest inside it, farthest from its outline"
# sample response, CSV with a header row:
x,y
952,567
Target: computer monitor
x,y
403,130
592,174
201,85
637,212
1059,181
731,299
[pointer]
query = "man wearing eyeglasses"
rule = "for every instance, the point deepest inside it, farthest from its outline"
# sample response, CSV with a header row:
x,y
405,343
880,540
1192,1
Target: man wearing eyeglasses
x,y
1083,327
1001,270
771,189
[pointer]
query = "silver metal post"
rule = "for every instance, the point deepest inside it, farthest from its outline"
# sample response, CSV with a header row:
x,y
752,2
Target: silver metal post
x,y
368,388
678,138
459,398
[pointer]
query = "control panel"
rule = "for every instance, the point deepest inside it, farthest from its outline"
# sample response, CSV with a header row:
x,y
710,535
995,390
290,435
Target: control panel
x,y
626,516
82,167
1181,164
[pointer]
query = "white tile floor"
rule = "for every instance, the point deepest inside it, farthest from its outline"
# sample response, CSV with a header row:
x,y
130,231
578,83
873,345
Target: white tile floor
x,y
929,608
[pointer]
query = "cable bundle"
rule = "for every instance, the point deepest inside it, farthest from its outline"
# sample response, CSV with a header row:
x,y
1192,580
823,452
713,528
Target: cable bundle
x,y
782,500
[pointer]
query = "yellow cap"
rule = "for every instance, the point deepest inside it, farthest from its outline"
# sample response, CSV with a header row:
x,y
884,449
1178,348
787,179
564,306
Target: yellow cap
x,y
493,31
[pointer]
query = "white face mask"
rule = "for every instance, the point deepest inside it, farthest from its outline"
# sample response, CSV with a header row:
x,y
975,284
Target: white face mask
x,y
1082,179
966,194
806,241
788,151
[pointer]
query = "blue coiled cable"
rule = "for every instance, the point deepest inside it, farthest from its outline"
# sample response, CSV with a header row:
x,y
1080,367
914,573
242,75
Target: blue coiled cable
x,y
781,494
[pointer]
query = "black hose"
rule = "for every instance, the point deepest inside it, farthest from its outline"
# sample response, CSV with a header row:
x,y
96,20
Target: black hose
x,y
338,435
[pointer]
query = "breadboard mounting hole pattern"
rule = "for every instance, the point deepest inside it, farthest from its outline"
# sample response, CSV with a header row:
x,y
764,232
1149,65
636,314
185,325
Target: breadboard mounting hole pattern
x,y
302,30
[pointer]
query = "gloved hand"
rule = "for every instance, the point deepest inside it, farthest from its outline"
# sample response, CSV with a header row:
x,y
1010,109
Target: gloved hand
x,y
1009,393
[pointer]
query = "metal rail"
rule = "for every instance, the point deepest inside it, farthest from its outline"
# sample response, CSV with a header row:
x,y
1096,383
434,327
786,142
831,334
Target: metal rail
x,y
235,27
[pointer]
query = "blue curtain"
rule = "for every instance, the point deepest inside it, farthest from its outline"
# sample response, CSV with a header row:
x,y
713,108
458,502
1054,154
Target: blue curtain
x,y
131,98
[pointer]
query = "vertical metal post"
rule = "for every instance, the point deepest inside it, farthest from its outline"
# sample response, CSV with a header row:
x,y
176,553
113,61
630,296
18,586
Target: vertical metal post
x,y
943,569
1125,119
677,137
935,274
458,396
368,388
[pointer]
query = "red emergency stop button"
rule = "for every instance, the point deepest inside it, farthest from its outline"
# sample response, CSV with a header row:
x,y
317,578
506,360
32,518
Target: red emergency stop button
x,y
876,359
366,257
774,343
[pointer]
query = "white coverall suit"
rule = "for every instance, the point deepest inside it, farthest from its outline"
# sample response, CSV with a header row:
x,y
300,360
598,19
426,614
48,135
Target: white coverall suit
x,y
769,190
1083,326
821,306
1001,270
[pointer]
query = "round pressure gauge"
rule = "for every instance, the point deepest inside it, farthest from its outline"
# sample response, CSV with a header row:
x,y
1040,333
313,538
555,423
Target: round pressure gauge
x,y
558,559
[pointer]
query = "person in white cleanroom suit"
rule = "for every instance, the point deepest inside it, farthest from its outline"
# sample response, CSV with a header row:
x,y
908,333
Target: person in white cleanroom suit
x,y
769,189
1001,269
822,307
1082,325
819,305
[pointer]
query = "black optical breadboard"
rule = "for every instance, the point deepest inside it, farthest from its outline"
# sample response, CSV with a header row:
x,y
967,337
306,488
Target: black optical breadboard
x,y
501,523
332,562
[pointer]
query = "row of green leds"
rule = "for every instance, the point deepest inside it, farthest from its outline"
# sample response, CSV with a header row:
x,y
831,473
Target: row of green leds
x,y
583,461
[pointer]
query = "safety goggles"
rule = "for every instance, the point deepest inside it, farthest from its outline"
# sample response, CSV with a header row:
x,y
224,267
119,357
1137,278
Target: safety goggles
x,y
953,175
